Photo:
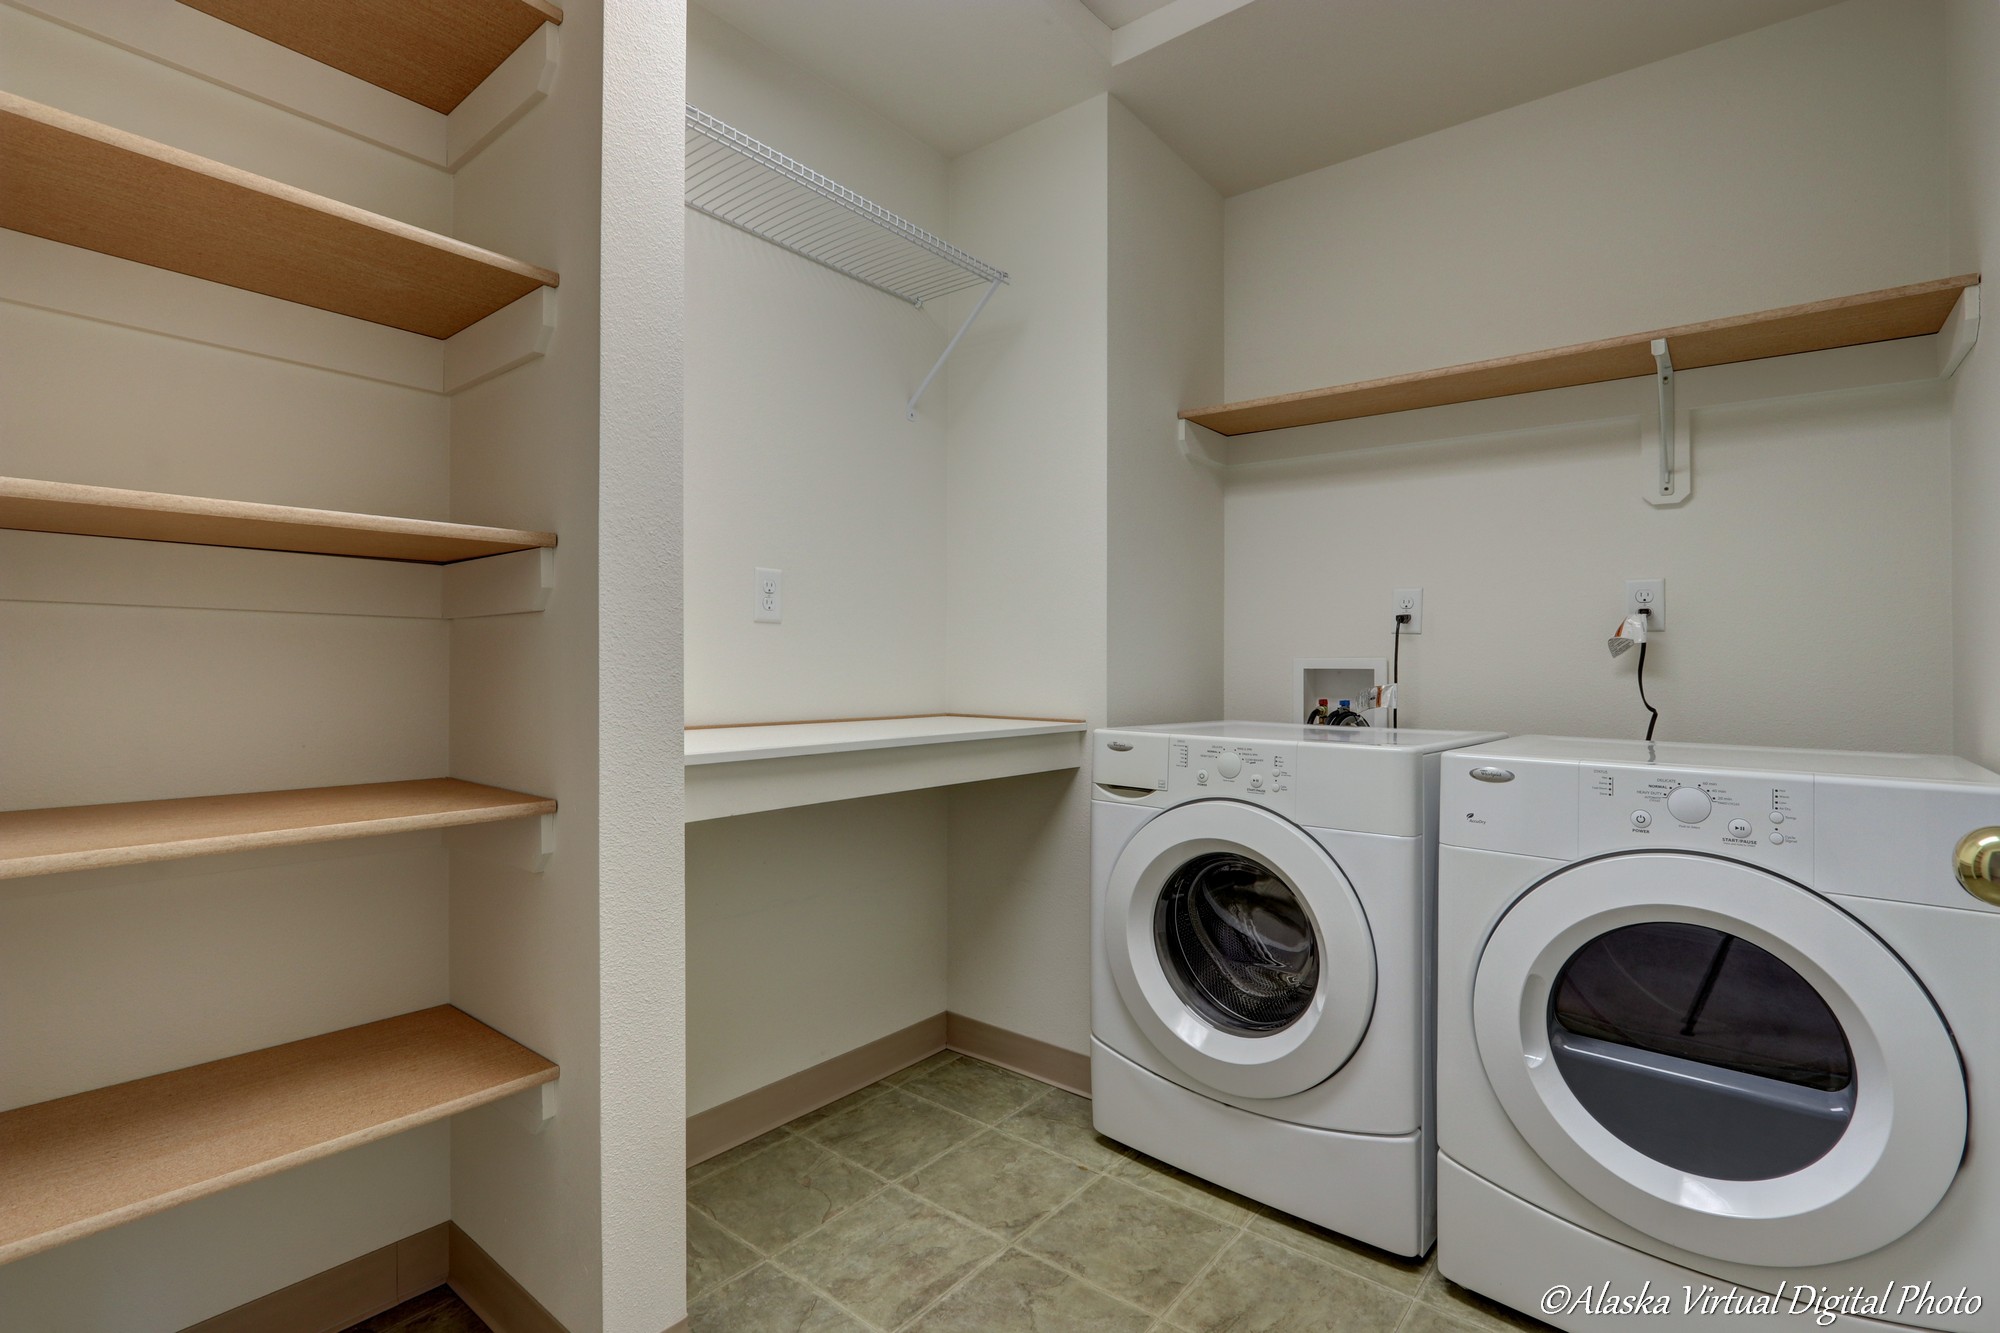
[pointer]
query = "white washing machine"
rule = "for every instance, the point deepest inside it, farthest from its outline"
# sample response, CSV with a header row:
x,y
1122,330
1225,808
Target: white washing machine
x,y
1722,1021
1262,918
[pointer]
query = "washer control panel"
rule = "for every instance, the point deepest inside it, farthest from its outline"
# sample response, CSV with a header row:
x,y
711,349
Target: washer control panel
x,y
1765,819
1256,771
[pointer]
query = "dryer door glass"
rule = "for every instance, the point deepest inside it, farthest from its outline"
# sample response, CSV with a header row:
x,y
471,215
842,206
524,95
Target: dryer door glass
x,y
1236,943
1702,1050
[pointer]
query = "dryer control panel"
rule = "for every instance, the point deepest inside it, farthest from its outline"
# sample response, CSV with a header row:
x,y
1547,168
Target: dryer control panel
x,y
1258,771
1764,819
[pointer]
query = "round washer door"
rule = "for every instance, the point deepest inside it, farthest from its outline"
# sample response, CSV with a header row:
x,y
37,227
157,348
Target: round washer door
x,y
1720,1058
1239,948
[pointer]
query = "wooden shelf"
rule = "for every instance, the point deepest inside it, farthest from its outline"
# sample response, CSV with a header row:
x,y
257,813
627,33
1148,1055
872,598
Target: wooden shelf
x,y
84,1164
1896,312
774,766
86,837
101,511
73,180
433,52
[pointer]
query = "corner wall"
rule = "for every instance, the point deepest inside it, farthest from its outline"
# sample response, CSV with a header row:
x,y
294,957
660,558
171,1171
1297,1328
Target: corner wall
x,y
1972,43
1801,161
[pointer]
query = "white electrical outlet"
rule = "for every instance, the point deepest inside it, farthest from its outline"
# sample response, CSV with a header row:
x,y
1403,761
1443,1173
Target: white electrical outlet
x,y
1409,602
770,605
1649,596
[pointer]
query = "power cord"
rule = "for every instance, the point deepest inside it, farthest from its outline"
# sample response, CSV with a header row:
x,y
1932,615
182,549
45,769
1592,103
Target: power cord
x,y
1654,719
1396,664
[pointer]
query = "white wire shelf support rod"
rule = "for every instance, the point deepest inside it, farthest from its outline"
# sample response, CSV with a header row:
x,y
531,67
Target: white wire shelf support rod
x,y
753,187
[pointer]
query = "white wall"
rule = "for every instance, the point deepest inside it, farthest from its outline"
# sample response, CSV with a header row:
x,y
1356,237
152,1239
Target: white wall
x,y
817,930
135,670
1164,519
811,932
1972,41
1808,578
799,457
1027,557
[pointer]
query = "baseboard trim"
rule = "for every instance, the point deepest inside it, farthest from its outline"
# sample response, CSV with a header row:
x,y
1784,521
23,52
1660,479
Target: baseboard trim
x,y
742,1119
491,1290
345,1294
1032,1056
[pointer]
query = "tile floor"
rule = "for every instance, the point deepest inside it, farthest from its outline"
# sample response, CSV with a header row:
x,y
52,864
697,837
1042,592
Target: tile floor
x,y
956,1197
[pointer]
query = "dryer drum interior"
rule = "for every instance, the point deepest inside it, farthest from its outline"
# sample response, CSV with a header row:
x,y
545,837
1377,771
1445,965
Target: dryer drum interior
x,y
1237,944
1702,1050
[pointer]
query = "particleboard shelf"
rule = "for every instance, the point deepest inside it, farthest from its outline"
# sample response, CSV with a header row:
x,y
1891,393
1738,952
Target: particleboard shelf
x,y
745,769
434,52
1895,312
101,511
87,837
84,1164
81,183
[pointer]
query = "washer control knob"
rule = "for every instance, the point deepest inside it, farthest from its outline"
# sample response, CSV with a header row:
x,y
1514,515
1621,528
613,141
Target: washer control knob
x,y
1739,828
1777,816
1690,805
1640,819
1229,765
1777,838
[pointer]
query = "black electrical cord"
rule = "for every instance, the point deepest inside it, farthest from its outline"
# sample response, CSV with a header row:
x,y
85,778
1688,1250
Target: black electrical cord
x,y
1396,666
1654,720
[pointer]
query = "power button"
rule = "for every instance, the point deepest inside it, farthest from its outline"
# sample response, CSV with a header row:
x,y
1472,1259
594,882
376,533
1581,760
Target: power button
x,y
1641,819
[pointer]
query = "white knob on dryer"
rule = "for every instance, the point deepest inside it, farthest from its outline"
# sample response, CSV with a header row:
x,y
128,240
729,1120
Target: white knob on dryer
x,y
1229,765
1690,805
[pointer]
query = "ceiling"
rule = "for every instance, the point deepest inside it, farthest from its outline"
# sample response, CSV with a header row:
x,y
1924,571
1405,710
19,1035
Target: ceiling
x,y
1248,92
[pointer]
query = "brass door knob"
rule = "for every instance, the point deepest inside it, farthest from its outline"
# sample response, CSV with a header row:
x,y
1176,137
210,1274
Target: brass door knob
x,y
1977,862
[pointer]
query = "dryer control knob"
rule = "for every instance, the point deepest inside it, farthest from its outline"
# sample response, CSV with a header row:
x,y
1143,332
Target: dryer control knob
x,y
1229,765
1690,805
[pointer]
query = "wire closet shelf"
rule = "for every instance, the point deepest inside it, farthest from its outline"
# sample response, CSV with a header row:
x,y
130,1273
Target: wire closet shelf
x,y
733,178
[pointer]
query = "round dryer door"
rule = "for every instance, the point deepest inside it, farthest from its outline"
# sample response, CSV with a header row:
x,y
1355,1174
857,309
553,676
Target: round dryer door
x,y
1239,948
1720,1058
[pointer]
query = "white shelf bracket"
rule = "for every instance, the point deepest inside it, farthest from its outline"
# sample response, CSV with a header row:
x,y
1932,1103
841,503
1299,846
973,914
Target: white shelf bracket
x,y
545,844
532,1110
1194,445
1670,468
910,412
1959,334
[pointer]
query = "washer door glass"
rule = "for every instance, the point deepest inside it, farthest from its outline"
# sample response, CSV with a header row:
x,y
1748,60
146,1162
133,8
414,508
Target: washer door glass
x,y
1702,1050
1237,944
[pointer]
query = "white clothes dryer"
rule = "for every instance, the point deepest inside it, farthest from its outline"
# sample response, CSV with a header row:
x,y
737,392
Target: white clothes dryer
x,y
1262,917
1714,1028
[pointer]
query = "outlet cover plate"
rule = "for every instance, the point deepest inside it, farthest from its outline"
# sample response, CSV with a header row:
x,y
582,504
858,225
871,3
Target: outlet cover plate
x,y
768,606
1408,602
1649,595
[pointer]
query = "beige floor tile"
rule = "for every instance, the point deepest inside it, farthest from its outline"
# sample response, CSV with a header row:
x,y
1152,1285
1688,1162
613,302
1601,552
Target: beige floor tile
x,y
999,1182
1470,1308
1021,1294
766,1301
975,1088
742,1152
921,1067
893,1134
888,1258
1391,1270
1135,1244
713,1255
1060,1122
779,1195
1260,1286
1429,1319
1192,1191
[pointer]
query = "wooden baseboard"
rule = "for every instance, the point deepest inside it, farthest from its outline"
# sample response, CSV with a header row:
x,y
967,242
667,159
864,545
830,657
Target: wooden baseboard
x,y
742,1119
1032,1056
491,1290
346,1293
